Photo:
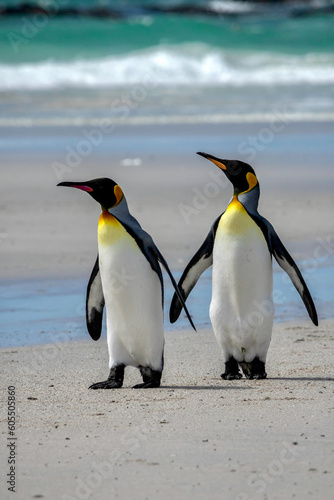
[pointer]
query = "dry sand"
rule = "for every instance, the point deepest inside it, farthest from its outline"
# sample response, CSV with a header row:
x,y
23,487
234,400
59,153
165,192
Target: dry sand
x,y
197,436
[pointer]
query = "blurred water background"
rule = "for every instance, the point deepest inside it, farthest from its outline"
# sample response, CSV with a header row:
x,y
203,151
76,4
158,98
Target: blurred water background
x,y
71,61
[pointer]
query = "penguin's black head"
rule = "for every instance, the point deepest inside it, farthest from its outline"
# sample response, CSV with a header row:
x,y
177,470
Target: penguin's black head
x,y
239,173
103,190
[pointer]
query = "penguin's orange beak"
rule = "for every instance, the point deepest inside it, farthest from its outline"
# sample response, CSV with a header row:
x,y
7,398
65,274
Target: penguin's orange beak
x,y
214,160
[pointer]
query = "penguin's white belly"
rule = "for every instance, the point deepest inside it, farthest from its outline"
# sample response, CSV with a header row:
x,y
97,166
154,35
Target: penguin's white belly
x,y
133,299
241,309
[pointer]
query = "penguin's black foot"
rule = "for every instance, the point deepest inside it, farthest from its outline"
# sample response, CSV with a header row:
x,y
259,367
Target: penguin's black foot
x,y
231,376
258,376
115,379
255,370
106,384
151,378
231,370
148,385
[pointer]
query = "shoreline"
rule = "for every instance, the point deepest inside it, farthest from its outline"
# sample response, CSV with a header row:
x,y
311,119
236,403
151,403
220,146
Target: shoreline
x,y
39,311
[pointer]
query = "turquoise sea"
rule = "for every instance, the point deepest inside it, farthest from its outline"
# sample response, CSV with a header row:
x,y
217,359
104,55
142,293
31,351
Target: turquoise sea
x,y
66,61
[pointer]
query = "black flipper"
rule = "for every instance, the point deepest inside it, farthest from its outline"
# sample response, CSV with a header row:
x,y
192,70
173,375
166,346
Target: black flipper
x,y
94,303
153,255
176,288
287,263
198,264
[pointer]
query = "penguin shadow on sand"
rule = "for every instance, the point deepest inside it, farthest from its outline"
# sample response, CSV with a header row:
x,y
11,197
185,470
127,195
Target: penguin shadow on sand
x,y
206,387
304,379
246,387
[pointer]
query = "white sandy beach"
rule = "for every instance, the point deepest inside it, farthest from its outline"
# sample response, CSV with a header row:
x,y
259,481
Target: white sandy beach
x,y
196,437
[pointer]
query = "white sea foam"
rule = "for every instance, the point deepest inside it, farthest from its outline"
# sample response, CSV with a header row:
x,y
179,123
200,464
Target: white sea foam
x,y
231,6
183,65
155,120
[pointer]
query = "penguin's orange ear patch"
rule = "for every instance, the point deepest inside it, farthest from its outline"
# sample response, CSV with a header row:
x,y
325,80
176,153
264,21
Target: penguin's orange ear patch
x,y
252,181
118,194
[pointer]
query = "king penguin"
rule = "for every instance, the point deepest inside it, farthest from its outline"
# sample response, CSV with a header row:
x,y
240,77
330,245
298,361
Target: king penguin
x,y
127,279
240,246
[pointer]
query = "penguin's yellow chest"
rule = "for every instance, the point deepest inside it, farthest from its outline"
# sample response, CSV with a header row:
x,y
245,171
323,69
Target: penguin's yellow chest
x,y
110,230
242,282
236,221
